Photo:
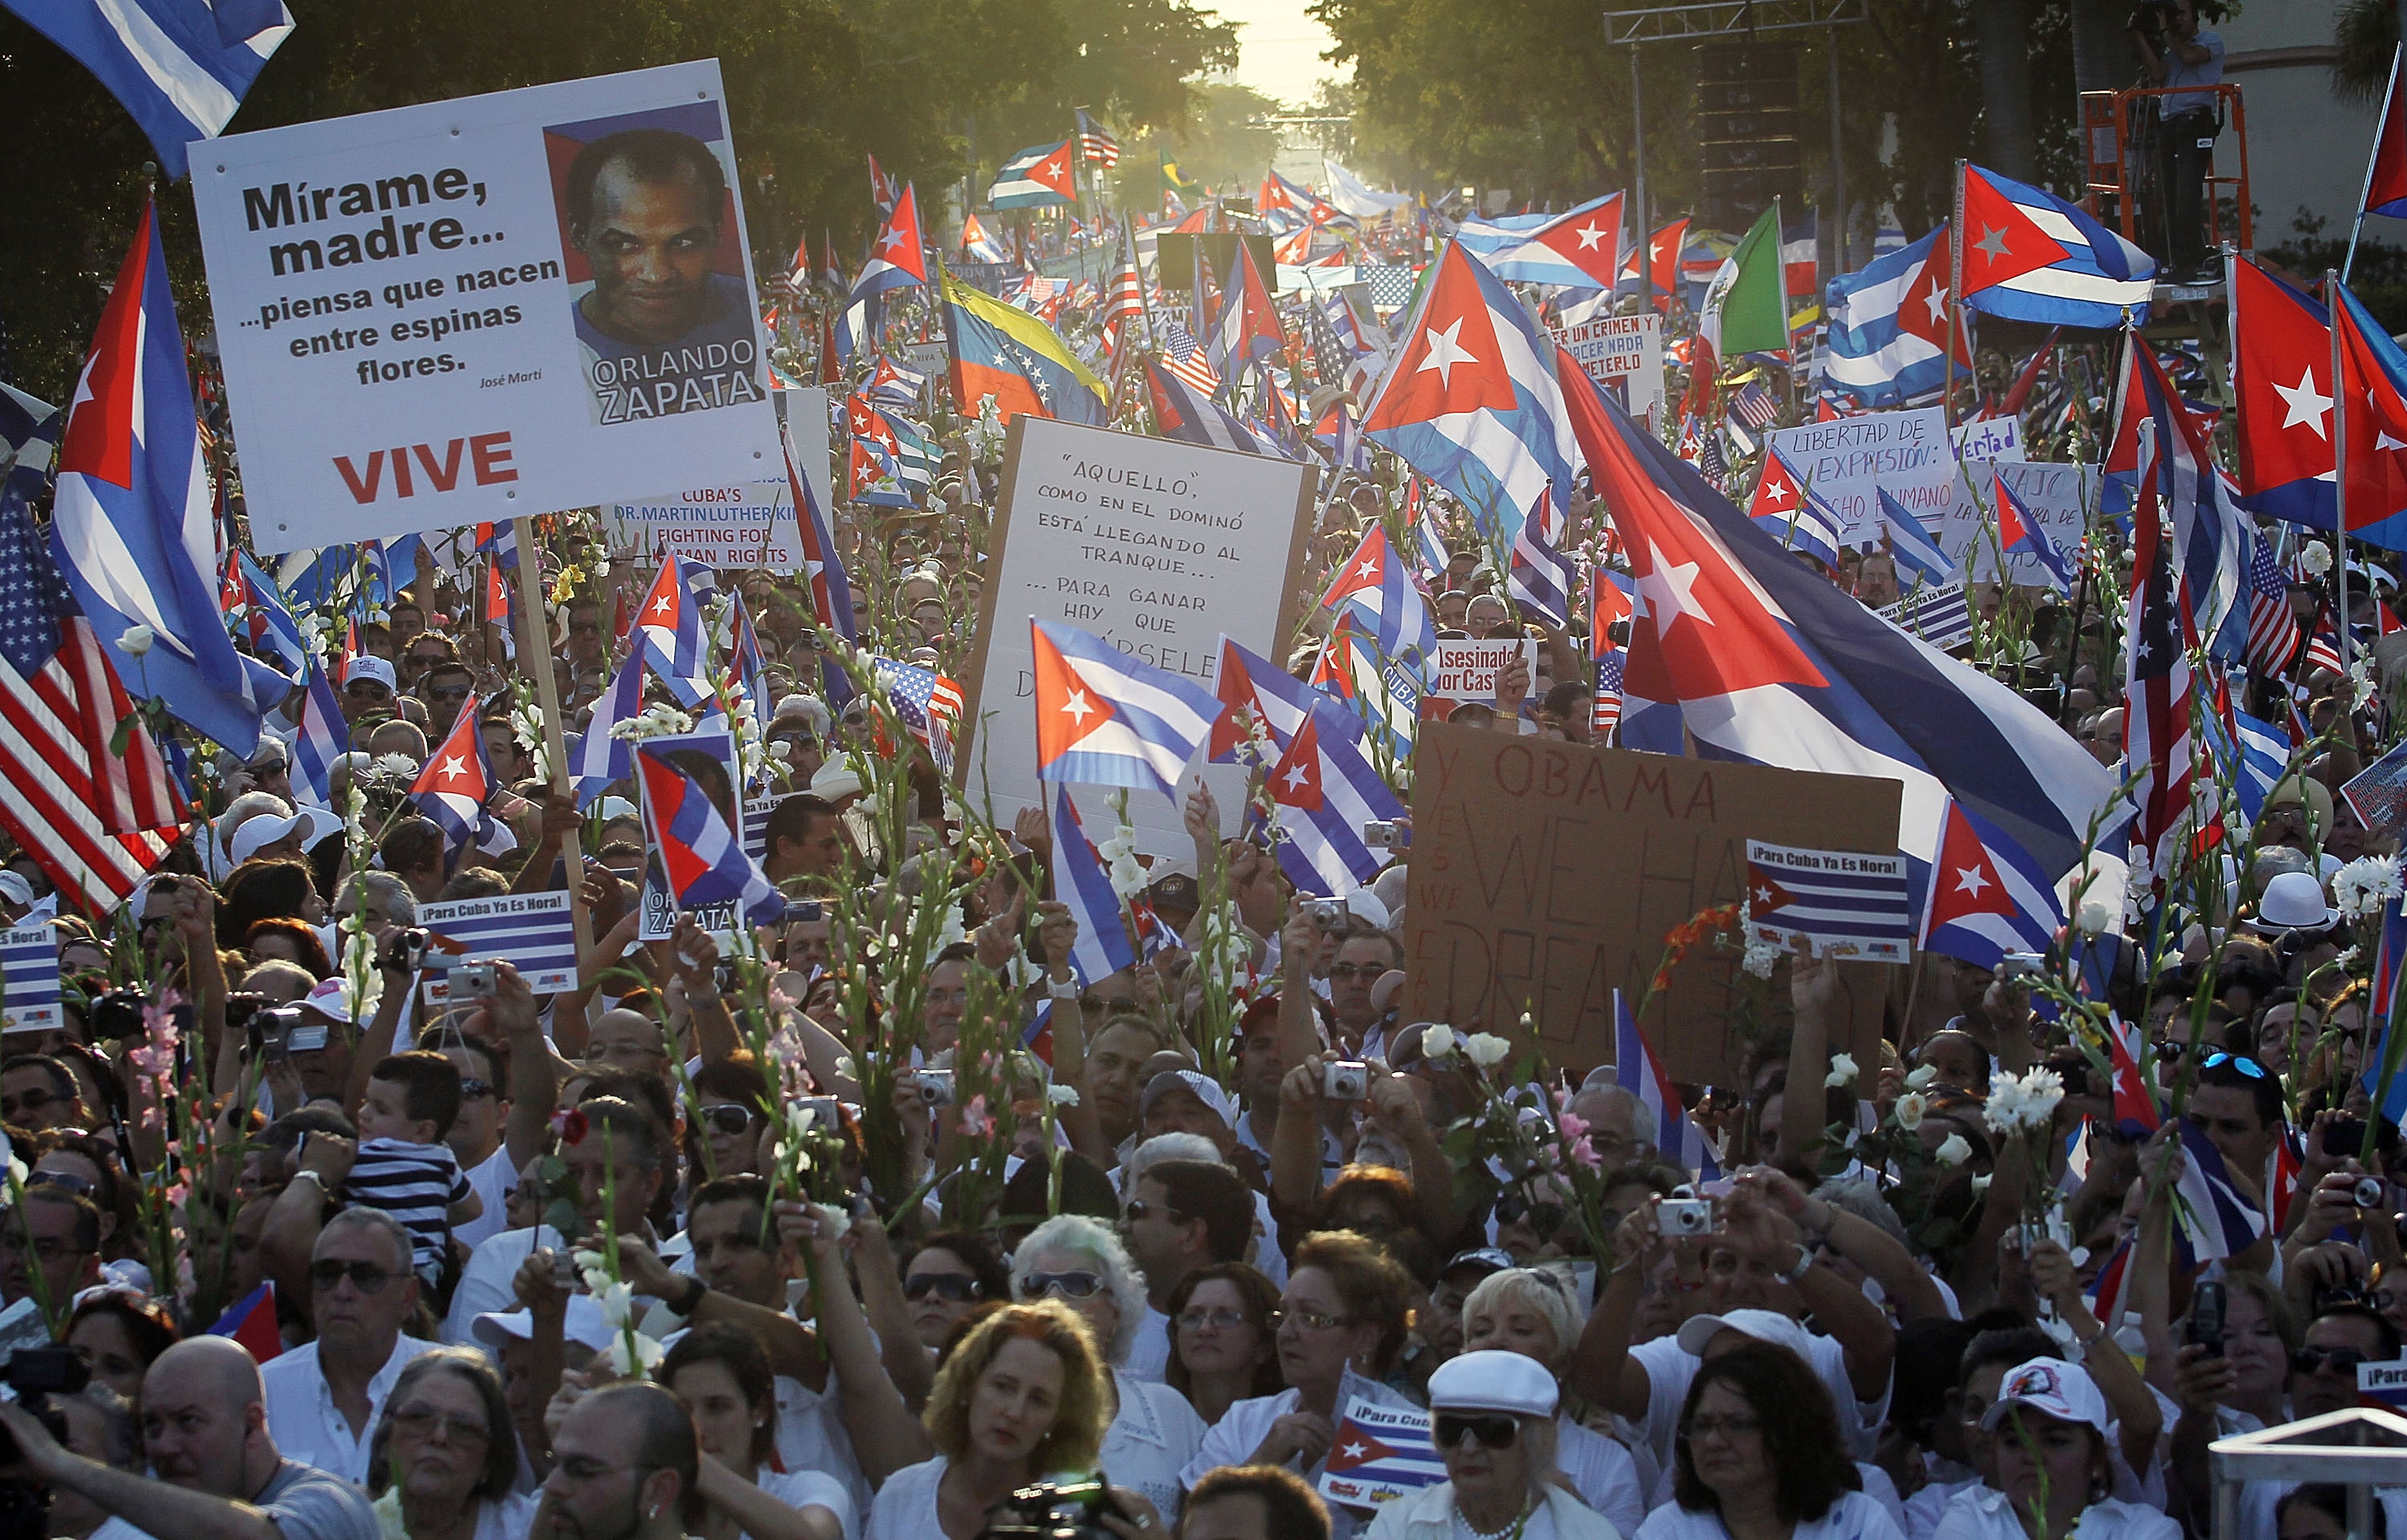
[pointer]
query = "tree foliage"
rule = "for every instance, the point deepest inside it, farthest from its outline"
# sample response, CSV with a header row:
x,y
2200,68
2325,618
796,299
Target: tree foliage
x,y
812,85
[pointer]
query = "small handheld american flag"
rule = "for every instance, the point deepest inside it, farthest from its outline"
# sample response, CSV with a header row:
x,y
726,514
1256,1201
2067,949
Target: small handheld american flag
x,y
1605,714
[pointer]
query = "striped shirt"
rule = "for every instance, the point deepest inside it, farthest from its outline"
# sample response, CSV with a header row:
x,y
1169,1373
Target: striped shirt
x,y
415,1183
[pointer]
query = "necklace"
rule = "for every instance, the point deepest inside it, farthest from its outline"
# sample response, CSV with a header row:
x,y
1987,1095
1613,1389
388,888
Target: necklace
x,y
1503,1532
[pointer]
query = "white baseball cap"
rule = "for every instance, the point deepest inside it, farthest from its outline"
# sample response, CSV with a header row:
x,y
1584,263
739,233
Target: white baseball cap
x,y
2051,1387
369,666
583,1323
1762,1325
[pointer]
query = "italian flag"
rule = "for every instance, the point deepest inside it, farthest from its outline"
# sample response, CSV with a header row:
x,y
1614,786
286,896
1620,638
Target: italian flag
x,y
1745,307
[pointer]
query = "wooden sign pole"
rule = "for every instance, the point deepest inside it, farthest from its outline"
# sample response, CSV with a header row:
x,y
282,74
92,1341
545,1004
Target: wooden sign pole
x,y
555,741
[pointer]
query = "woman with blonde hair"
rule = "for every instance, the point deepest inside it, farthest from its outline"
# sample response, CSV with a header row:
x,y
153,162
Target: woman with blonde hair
x,y
1020,1399
1530,1311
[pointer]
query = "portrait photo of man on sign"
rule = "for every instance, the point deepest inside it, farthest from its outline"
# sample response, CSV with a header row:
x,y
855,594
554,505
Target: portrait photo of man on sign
x,y
664,321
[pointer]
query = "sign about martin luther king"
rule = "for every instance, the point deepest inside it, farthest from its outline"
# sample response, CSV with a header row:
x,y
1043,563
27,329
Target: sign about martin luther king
x,y
488,307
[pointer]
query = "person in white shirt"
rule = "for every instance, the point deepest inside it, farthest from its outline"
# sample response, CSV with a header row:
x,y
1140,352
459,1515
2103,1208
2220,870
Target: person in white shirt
x,y
444,1460
719,1371
1760,1452
324,1397
1530,1311
2055,1467
1492,1418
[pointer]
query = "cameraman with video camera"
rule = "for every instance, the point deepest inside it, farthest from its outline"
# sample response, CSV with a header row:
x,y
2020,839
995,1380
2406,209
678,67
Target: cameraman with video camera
x,y
2175,52
220,1474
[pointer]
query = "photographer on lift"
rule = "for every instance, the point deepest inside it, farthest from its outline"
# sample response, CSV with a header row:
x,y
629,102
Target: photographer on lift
x,y
2175,52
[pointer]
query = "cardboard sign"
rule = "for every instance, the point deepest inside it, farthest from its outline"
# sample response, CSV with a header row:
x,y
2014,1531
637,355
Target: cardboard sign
x,y
1466,671
533,932
2059,498
1158,547
1628,349
1846,461
1843,903
1545,875
425,322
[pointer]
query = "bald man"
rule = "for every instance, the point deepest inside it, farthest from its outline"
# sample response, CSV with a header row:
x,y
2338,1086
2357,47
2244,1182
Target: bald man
x,y
205,1425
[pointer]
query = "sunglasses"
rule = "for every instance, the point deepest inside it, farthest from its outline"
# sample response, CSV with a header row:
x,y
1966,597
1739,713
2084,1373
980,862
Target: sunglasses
x,y
367,688
2307,1361
1494,1430
1079,1285
473,1089
585,628
2246,1066
32,1100
960,1288
81,1186
274,766
729,1118
450,692
366,1277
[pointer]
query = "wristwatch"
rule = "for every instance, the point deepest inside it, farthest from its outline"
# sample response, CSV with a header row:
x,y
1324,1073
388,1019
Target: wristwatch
x,y
305,1174
1062,989
1804,1264
690,1300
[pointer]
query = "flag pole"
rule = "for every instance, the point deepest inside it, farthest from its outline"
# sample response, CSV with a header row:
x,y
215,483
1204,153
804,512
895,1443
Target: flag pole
x,y
1955,295
2340,487
555,744
2372,158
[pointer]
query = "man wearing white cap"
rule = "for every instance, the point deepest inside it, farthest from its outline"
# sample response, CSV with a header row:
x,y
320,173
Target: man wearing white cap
x,y
369,685
2055,1474
1492,1418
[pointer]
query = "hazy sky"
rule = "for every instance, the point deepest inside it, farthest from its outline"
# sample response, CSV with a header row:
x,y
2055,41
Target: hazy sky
x,y
1282,47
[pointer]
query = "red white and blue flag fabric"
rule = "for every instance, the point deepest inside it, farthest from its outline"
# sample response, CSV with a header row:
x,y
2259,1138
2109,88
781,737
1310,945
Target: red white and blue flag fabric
x,y
1987,896
2134,1108
2389,962
1254,691
251,1321
1910,543
1104,718
1577,249
1539,574
2374,391
534,932
133,526
180,68
1763,661
1374,586
2273,625
700,857
1182,411
2385,176
2158,679
979,246
253,607
883,192
2021,534
1789,512
2210,531
2030,256
602,758
1080,882
324,737
1035,179
668,629
1096,144
897,261
1637,1070
2216,1220
1604,709
1247,330
1472,400
1886,325
1385,693
1326,791
1380,1454
2280,356
929,703
454,786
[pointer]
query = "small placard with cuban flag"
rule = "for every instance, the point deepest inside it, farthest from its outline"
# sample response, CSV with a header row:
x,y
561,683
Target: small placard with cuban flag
x,y
1844,903
29,978
2382,1383
533,932
1380,1453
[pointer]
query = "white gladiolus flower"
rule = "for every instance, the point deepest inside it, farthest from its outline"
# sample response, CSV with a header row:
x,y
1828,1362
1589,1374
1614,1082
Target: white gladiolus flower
x,y
1062,1095
1981,1184
1127,878
1842,1070
2315,558
597,1281
643,1359
1486,1050
134,641
2096,916
1917,1080
588,1261
2364,885
1955,1152
1759,958
1910,1109
950,930
617,1303
1438,1041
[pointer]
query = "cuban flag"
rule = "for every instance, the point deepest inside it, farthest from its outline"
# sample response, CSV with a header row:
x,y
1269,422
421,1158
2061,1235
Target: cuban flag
x,y
891,385
251,602
1539,574
1886,322
1638,1071
2110,1288
602,758
2216,1220
1104,718
1472,400
29,436
2134,1105
1247,331
1373,587
897,261
1788,510
698,855
133,525
1326,791
1035,178
2030,256
324,737
1254,690
1577,249
1379,1453
2210,533
29,978
1426,532
1762,662
1987,897
1080,881
1383,694
1911,545
251,1321
2389,959
2020,534
668,635
179,67
2373,392
453,787
2282,384
1182,411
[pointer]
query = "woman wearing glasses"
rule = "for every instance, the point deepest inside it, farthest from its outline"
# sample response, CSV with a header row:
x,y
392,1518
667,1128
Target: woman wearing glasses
x,y
444,1459
1153,1432
1347,1307
719,1370
724,1137
1223,1345
1528,1311
1492,1418
946,1277
1759,1453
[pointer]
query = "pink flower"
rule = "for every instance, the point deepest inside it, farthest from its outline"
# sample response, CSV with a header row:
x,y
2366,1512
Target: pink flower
x,y
1573,1127
1585,1153
975,1123
150,1118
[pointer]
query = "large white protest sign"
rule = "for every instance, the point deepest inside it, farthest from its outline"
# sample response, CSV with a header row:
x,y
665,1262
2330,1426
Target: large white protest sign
x,y
741,527
1846,462
2058,497
1156,547
452,312
1628,349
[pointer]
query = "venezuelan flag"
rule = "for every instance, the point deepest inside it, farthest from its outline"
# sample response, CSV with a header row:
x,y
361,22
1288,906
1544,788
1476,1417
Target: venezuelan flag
x,y
1005,352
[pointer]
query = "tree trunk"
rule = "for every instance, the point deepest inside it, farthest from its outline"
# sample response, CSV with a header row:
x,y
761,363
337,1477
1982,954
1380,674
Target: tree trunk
x,y
2005,85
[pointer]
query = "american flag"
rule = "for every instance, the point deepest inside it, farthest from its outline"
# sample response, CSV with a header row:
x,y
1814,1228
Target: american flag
x,y
2157,679
1182,356
2273,625
1605,714
1755,406
29,978
92,815
929,703
1125,299
1391,286
1096,144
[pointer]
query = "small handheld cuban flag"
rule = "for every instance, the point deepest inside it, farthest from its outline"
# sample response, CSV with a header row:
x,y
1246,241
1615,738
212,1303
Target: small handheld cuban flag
x,y
1255,691
1638,1071
454,786
2019,533
668,629
1844,903
1910,543
1102,947
2216,1220
698,852
602,757
322,738
1104,718
1380,1453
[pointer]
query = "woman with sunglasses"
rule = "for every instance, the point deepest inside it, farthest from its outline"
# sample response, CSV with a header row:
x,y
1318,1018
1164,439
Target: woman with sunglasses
x,y
1757,1452
1223,1346
1492,1419
944,1279
1530,1311
442,1463
1347,1307
1153,1432
724,1137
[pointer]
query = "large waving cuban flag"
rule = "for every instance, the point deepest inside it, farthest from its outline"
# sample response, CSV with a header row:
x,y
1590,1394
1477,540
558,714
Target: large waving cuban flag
x,y
2030,256
179,66
1885,323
